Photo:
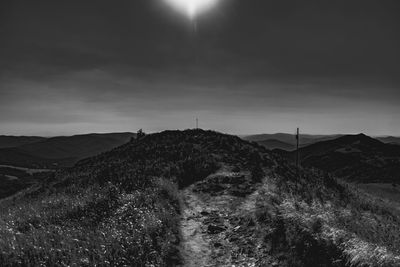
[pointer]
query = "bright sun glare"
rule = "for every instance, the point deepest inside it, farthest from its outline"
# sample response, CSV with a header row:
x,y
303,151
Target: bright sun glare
x,y
191,8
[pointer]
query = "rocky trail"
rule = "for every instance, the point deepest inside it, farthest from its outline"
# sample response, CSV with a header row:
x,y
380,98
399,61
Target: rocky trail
x,y
218,225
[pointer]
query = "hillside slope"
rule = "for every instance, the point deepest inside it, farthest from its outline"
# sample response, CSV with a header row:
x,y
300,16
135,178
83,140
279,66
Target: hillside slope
x,y
306,139
120,207
195,198
394,140
354,157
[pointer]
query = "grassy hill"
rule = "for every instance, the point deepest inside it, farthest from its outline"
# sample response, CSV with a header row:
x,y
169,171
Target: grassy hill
x,y
120,207
125,207
354,157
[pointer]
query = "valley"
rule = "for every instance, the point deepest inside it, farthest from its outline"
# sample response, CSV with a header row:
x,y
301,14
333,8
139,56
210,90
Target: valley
x,y
27,170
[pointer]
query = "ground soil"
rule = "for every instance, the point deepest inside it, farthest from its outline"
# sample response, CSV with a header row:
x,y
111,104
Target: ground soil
x,y
218,225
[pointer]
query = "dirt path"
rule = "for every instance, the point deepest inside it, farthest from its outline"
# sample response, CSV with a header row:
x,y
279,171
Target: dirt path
x,y
196,247
218,229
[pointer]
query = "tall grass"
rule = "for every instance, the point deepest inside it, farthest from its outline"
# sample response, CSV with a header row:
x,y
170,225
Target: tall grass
x,y
321,218
113,209
96,226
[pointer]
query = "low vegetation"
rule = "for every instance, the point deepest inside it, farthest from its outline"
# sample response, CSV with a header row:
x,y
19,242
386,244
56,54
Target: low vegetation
x,y
96,225
123,208
118,208
313,219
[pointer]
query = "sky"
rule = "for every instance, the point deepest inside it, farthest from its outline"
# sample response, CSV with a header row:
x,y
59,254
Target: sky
x,y
253,66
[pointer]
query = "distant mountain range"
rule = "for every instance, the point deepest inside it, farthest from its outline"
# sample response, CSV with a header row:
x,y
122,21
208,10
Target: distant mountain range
x,y
14,141
389,140
276,144
287,141
354,157
63,151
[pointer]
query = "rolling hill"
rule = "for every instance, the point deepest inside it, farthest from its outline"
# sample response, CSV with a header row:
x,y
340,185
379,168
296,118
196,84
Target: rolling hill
x,y
195,198
354,157
288,140
14,141
61,151
389,140
276,144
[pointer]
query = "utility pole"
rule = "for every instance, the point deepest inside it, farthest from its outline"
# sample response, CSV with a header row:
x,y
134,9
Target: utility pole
x,y
197,123
297,149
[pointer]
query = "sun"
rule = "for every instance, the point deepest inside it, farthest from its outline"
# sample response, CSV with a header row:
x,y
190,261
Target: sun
x,y
191,8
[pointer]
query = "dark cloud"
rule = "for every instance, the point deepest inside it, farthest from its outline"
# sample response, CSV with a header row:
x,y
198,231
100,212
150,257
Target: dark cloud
x,y
251,66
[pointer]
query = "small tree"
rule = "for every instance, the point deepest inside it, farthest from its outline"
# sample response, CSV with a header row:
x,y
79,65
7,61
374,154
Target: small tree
x,y
140,134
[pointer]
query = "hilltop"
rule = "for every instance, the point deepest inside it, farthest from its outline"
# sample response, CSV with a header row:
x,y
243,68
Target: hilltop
x,y
195,198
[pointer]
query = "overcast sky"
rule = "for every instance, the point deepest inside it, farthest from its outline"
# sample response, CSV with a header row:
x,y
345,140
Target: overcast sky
x,y
252,66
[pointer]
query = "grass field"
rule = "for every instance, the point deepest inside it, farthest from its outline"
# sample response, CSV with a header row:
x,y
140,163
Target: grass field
x,y
386,191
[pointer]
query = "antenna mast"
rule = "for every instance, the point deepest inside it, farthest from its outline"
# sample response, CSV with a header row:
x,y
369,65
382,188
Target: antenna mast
x,y
297,149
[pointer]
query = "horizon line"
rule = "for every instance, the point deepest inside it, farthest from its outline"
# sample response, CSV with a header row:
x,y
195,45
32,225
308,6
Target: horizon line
x,y
153,132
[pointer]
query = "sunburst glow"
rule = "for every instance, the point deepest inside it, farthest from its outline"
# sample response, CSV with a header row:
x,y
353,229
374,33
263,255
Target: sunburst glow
x,y
191,8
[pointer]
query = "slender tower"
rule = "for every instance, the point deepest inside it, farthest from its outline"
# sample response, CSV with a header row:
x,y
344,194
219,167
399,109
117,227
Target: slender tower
x,y
297,149
197,123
